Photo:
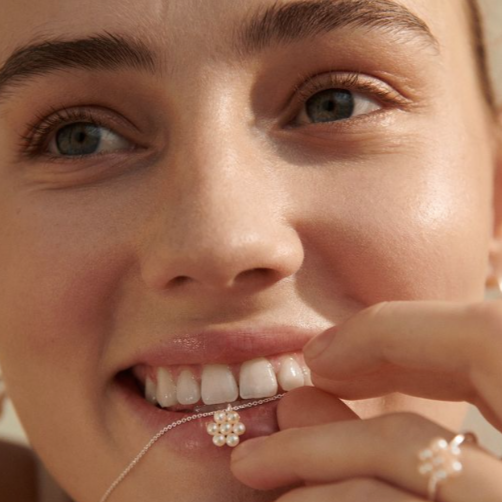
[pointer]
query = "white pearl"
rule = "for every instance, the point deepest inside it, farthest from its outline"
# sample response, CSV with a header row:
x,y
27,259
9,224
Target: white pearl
x,y
239,429
225,428
425,454
441,474
220,417
425,468
438,461
212,428
232,440
219,440
440,444
233,417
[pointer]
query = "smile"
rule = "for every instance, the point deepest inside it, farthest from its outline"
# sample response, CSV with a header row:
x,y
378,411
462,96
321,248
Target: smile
x,y
185,387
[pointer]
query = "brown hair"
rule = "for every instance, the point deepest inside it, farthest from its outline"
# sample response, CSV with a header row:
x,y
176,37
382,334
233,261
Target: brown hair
x,y
479,46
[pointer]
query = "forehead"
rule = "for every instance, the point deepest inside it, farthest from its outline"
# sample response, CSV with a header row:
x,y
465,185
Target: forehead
x,y
185,42
217,25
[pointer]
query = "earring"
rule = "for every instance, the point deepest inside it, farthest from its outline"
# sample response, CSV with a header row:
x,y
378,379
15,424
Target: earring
x,y
493,291
493,288
3,393
493,284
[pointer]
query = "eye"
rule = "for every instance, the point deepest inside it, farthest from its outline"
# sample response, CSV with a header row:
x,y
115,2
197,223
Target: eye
x,y
331,105
342,96
70,135
82,139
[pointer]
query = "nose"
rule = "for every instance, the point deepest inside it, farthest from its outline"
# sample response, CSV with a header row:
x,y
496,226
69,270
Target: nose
x,y
220,223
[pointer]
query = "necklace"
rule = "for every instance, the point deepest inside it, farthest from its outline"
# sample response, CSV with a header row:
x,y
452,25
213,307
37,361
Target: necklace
x,y
171,426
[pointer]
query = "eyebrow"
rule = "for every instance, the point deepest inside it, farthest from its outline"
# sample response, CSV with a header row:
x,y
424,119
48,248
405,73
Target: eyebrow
x,y
291,22
106,51
276,24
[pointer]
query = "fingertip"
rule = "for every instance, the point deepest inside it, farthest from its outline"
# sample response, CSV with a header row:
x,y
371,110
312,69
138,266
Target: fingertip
x,y
318,345
247,468
246,448
307,406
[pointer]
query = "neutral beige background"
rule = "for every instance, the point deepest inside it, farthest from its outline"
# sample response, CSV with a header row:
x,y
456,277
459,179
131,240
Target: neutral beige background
x,y
10,427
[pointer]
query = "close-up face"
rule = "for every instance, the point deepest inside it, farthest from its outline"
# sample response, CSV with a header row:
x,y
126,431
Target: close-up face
x,y
192,185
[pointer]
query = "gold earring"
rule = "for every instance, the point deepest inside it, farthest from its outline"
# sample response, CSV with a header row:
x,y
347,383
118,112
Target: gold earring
x,y
3,393
493,283
493,291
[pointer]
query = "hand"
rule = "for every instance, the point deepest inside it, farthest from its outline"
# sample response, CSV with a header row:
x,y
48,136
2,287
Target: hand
x,y
436,350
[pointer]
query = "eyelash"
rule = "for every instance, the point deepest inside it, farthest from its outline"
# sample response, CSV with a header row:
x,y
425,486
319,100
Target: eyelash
x,y
40,128
352,81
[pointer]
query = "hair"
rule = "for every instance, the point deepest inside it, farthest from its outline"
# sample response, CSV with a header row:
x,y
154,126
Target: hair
x,y
478,36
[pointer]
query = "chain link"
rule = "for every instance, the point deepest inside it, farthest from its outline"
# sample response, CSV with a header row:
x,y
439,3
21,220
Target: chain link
x,y
171,426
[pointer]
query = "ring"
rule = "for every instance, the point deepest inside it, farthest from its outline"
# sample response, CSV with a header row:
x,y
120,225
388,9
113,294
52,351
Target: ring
x,y
441,460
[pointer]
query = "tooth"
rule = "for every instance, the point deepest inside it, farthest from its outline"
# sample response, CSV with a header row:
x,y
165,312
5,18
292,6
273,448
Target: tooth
x,y
150,390
166,388
187,388
306,374
290,375
218,385
257,379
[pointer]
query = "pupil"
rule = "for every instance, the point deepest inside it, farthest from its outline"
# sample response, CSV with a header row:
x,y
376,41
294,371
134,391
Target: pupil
x,y
78,139
330,105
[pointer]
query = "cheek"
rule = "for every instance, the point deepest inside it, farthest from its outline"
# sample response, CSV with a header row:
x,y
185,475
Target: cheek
x,y
60,270
406,227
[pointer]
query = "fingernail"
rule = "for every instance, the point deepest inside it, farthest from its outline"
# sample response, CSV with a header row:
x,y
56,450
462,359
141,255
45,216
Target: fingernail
x,y
247,447
319,344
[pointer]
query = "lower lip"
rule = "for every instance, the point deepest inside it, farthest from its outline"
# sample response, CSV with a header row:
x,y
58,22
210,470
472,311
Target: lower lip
x,y
191,438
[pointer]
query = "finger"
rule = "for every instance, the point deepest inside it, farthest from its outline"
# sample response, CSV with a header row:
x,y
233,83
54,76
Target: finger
x,y
353,490
392,379
402,346
384,447
307,406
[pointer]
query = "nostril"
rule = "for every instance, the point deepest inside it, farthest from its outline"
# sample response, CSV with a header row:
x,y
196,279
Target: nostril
x,y
258,274
180,280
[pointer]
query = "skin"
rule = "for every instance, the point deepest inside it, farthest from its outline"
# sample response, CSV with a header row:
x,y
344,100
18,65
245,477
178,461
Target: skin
x,y
404,206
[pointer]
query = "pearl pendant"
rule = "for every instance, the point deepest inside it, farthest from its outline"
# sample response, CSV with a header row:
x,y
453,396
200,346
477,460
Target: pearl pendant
x,y
226,427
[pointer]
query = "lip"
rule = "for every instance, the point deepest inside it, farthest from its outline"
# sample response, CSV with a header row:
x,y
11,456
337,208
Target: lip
x,y
219,346
190,439
230,346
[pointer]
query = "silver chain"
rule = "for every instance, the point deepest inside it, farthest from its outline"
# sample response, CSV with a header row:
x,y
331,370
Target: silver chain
x,y
183,420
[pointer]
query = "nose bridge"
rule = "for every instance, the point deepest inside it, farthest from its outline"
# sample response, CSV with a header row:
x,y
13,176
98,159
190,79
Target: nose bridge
x,y
225,220
224,198
226,186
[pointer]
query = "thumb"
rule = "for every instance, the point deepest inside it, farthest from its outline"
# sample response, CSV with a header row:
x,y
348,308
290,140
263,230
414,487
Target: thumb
x,y
306,406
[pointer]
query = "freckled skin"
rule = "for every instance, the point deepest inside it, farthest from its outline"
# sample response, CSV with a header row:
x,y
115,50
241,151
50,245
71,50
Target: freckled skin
x,y
303,226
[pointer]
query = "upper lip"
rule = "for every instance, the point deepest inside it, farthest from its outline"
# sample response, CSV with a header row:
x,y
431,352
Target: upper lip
x,y
224,346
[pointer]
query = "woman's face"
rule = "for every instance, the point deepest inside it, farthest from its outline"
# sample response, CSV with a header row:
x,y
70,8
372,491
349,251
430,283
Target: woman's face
x,y
216,200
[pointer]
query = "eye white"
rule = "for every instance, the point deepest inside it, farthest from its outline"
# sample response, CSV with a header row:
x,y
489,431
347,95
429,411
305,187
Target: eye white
x,y
109,142
363,105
